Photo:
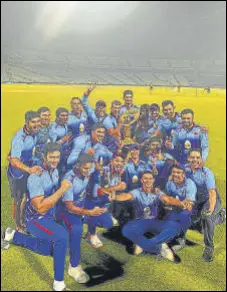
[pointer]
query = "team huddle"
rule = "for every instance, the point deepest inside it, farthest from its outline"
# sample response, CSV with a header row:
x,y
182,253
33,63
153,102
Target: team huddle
x,y
134,168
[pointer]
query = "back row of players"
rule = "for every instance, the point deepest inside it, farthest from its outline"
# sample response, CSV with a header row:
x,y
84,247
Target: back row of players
x,y
79,170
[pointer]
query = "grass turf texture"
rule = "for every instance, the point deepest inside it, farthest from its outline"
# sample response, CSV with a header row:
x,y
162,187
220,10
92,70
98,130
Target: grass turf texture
x,y
23,270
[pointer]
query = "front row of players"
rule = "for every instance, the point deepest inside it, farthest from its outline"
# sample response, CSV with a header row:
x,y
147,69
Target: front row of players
x,y
54,216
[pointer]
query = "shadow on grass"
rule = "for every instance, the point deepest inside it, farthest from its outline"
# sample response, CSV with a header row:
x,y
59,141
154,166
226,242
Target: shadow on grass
x,y
109,269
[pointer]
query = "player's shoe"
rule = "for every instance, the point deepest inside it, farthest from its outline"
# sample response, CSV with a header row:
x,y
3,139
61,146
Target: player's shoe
x,y
137,250
59,286
208,254
93,240
4,244
167,253
9,234
181,242
78,274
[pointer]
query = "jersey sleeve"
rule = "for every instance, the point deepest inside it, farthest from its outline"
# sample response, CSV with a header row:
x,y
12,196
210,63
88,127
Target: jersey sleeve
x,y
135,195
88,109
210,180
107,123
168,188
17,147
79,144
53,133
191,190
204,145
35,187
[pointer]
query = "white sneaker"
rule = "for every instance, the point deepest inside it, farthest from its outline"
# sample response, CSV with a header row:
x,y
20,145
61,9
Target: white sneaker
x,y
138,250
94,241
115,222
167,253
78,274
9,234
59,285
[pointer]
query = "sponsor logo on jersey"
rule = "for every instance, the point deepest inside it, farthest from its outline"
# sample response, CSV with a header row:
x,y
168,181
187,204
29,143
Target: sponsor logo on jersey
x,y
187,144
135,179
81,127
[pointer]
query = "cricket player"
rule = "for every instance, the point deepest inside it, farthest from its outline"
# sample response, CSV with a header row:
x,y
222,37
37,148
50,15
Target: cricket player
x,y
184,190
155,120
128,102
147,201
113,123
208,202
158,162
93,116
71,209
188,136
43,135
46,236
173,119
142,125
21,164
60,133
133,168
91,144
77,122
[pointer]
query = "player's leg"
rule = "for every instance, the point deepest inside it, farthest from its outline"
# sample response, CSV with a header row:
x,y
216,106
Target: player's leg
x,y
74,226
104,220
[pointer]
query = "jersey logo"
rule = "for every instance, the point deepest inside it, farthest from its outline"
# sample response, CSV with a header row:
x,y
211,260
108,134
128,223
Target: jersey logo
x,y
187,144
135,179
81,128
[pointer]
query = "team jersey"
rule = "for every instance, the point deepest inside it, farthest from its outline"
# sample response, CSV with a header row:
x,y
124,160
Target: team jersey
x,y
187,189
77,192
124,109
22,147
83,143
43,137
184,140
92,118
146,205
77,124
204,179
169,125
155,125
163,165
110,122
132,174
58,131
41,185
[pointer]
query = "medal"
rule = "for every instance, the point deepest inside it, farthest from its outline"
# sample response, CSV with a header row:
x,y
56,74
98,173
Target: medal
x,y
187,144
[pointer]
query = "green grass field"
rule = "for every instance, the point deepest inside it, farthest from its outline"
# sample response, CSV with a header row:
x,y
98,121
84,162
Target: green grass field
x,y
23,270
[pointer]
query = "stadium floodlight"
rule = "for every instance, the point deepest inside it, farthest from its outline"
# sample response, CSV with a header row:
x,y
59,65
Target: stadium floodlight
x,y
81,16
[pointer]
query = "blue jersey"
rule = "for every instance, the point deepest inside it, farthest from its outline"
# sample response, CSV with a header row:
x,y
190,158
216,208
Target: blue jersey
x,y
82,143
77,192
124,109
43,137
92,117
132,174
163,165
41,185
169,125
22,147
155,125
204,179
110,122
147,205
181,191
184,140
77,124
58,131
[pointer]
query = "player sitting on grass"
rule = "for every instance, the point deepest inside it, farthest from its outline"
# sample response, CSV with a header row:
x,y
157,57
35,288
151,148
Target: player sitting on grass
x,y
147,201
21,164
184,190
46,236
208,202
71,209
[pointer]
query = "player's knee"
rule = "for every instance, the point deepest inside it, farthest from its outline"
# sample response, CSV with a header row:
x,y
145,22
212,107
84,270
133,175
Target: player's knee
x,y
63,237
174,226
127,231
108,223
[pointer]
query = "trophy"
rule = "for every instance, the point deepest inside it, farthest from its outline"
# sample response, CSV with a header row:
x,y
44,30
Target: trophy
x,y
129,117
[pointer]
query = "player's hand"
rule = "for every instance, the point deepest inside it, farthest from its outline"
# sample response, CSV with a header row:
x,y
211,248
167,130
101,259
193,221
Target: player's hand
x,y
66,138
90,151
112,196
89,89
97,211
65,185
35,170
204,129
169,144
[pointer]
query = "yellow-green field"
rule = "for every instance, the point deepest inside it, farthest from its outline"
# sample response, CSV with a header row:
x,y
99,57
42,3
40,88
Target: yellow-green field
x,y
23,270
